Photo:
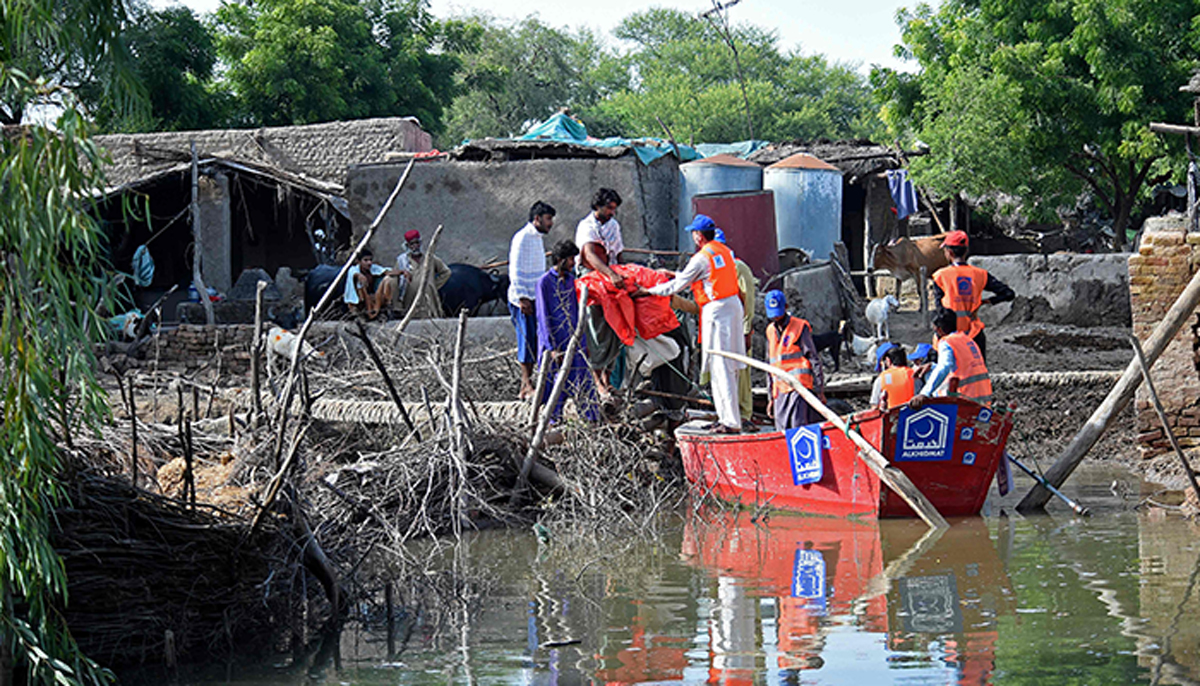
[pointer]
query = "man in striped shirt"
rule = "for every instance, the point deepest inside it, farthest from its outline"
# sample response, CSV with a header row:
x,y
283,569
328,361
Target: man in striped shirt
x,y
526,264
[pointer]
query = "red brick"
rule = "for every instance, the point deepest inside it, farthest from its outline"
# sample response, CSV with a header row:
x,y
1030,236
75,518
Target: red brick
x,y
1150,436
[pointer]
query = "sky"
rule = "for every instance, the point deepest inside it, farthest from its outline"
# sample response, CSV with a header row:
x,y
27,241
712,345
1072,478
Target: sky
x,y
862,31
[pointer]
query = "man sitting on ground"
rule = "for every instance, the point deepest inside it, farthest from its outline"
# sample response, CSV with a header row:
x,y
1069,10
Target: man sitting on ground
x,y
960,370
411,265
895,384
370,287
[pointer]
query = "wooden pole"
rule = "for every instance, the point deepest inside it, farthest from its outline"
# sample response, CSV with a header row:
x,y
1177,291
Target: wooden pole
x,y
560,382
133,467
539,388
387,378
289,387
197,261
1117,398
1162,417
894,478
256,351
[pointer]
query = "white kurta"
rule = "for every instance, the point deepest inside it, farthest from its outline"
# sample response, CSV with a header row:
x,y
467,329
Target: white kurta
x,y
720,329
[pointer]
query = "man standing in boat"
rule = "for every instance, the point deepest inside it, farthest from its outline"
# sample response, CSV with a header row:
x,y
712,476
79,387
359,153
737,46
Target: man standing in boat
x,y
714,280
959,287
960,370
790,347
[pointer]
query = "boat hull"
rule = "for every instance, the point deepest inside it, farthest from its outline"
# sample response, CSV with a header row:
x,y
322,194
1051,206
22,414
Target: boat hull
x,y
950,450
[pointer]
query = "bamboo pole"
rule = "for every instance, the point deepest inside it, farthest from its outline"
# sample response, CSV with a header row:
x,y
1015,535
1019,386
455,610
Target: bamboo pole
x,y
197,260
1162,417
894,478
1117,398
256,351
560,382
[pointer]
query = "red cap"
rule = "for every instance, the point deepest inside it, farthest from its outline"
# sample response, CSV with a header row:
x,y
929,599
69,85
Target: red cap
x,y
414,235
955,238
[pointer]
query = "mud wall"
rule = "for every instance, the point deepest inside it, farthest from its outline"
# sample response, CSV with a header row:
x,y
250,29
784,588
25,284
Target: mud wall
x,y
482,204
1166,261
1080,290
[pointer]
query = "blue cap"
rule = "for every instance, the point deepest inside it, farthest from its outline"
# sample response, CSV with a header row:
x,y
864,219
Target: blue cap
x,y
880,352
720,237
921,352
701,222
776,304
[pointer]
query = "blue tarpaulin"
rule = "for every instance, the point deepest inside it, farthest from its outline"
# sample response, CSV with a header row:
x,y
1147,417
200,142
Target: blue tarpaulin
x,y
740,149
561,127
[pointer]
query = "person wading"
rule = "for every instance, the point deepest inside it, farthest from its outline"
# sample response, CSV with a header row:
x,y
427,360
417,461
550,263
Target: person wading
x,y
959,287
713,278
790,347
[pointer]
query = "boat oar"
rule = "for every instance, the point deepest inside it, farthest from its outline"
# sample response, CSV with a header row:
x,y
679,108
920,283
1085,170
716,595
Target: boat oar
x,y
1079,509
894,478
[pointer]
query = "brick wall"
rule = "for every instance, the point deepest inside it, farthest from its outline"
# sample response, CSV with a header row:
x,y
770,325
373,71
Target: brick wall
x,y
1166,261
191,346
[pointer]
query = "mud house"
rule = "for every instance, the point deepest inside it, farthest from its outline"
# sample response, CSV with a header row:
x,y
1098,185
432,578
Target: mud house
x,y
268,198
482,192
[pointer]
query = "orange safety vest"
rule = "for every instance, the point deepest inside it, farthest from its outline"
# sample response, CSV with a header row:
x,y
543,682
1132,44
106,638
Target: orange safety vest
x,y
962,291
970,372
899,385
722,279
785,354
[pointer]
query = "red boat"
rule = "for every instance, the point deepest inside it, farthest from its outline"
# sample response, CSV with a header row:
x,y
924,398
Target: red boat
x,y
950,450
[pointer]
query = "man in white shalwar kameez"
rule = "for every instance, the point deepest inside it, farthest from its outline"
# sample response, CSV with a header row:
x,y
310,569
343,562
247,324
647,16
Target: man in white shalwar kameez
x,y
712,275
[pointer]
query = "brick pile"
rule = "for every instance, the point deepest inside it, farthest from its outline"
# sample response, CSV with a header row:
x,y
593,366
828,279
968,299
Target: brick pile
x,y
1164,265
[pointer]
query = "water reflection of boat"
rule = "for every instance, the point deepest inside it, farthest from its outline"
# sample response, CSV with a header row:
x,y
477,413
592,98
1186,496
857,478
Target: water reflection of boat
x,y
950,450
785,587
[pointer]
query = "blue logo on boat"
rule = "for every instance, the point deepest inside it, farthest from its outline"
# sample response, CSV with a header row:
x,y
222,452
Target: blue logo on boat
x,y
968,458
808,579
967,433
804,453
985,415
926,434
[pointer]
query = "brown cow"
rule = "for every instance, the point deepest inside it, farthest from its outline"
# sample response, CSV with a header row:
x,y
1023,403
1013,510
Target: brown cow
x,y
904,258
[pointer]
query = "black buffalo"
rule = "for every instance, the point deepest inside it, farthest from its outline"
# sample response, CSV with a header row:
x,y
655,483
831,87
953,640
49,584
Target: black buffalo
x,y
317,282
470,288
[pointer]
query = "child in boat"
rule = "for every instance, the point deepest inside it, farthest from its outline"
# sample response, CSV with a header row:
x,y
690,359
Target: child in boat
x,y
895,384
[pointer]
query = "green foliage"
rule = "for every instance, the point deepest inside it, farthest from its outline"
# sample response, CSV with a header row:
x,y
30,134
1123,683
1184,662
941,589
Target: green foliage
x,y
523,73
48,249
680,70
174,57
1042,99
307,61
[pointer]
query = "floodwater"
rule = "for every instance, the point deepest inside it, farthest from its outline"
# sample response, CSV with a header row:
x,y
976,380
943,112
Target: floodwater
x,y
720,599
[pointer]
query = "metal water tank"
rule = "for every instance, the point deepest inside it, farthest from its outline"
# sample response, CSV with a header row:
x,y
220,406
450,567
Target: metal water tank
x,y
748,220
808,203
716,174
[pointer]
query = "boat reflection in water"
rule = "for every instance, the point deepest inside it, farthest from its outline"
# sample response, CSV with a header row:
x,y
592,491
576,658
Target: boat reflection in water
x,y
856,598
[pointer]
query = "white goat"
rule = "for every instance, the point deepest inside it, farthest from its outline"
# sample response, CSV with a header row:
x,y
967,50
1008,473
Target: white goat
x,y
878,311
280,345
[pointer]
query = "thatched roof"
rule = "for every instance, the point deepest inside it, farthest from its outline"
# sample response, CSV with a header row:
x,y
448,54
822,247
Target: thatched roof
x,y
856,158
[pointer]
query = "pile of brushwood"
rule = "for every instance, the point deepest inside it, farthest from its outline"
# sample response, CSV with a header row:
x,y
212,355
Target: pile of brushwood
x,y
263,531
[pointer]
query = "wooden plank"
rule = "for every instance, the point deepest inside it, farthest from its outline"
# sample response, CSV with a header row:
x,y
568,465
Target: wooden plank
x,y
894,478
1117,398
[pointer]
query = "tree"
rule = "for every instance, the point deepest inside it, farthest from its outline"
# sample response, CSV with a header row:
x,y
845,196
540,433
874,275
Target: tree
x,y
681,71
523,73
49,246
1043,100
174,56
307,61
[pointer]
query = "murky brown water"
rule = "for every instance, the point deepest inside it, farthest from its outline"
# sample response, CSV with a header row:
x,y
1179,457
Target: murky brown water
x,y
722,599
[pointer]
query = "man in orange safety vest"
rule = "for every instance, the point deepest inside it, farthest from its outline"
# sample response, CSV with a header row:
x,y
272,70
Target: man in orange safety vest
x,y
960,370
790,347
960,286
